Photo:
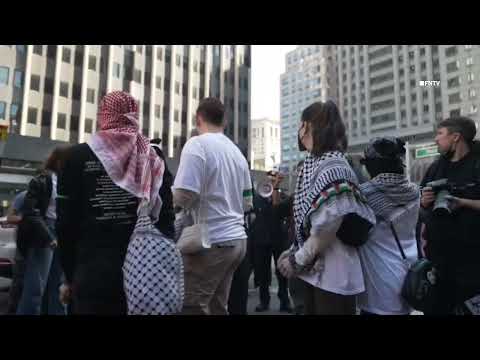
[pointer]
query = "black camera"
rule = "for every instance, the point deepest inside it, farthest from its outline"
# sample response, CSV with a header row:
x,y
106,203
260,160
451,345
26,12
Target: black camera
x,y
443,189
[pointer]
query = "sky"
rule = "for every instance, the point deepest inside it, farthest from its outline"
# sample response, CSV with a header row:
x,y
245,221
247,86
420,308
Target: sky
x,y
268,62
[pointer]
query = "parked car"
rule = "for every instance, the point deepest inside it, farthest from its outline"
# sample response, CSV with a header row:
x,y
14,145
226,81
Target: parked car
x,y
7,248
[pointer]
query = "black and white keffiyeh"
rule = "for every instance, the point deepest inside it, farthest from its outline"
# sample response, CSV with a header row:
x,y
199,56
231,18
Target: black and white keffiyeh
x,y
317,175
153,272
387,192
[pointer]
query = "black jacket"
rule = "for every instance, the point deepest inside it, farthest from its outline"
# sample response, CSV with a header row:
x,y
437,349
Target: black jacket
x,y
452,239
32,230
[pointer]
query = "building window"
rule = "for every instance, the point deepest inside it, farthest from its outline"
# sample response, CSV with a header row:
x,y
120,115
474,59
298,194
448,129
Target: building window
x,y
140,49
178,60
35,82
472,93
127,72
102,65
51,51
38,49
64,89
4,73
91,96
48,86
76,92
451,51
92,62
160,53
195,66
470,77
18,78
66,55
176,116
46,118
157,111
453,82
454,98
177,87
116,70
3,106
469,61
158,82
13,111
62,121
455,112
453,66
137,76
32,115
473,109
89,126
468,47
194,91
21,48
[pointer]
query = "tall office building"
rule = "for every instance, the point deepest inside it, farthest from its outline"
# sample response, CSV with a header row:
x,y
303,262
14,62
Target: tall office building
x,y
380,91
404,90
53,91
265,138
310,76
460,80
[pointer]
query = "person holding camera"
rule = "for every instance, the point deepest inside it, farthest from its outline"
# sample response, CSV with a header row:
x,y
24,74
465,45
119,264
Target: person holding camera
x,y
452,215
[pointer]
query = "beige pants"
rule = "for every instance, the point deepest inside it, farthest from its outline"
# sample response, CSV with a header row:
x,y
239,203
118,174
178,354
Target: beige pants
x,y
321,302
208,277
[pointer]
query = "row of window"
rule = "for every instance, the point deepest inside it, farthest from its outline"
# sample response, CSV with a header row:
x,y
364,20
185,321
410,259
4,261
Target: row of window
x,y
5,77
14,111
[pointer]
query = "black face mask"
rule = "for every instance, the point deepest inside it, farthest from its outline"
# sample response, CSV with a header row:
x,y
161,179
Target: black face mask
x,y
449,153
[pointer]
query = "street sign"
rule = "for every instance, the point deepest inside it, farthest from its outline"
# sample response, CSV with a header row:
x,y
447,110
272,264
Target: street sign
x,y
426,152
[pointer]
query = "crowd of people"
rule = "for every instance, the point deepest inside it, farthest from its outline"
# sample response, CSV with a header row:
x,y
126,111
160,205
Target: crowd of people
x,y
107,229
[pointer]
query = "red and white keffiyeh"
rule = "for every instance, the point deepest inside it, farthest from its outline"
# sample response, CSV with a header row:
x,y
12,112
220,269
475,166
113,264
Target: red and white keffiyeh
x,y
125,153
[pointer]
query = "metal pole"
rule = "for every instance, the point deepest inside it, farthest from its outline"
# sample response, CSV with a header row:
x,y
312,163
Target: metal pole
x,y
407,159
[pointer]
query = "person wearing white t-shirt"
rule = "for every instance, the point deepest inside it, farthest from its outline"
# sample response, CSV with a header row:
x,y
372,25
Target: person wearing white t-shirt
x,y
212,169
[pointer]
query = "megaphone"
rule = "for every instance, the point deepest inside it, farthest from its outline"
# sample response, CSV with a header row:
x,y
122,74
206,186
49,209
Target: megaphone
x,y
265,188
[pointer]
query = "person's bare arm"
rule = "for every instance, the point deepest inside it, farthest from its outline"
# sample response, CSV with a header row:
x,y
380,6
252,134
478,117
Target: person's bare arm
x,y
12,217
184,199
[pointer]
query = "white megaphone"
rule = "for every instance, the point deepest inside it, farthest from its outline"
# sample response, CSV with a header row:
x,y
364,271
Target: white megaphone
x,y
265,188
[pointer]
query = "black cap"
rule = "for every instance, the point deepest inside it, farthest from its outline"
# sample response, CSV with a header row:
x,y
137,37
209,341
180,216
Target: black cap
x,y
388,147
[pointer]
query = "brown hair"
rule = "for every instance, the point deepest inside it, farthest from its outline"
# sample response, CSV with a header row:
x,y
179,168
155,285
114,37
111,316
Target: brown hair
x,y
326,126
57,158
463,125
212,111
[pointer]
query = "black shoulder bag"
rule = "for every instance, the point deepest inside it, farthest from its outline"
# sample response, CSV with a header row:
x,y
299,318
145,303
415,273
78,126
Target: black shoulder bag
x,y
418,288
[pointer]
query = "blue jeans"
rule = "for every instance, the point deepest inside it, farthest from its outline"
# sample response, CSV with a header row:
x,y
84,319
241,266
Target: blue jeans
x,y
43,277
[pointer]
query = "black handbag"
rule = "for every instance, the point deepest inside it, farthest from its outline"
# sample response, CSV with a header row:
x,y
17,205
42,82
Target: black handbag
x,y
418,288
